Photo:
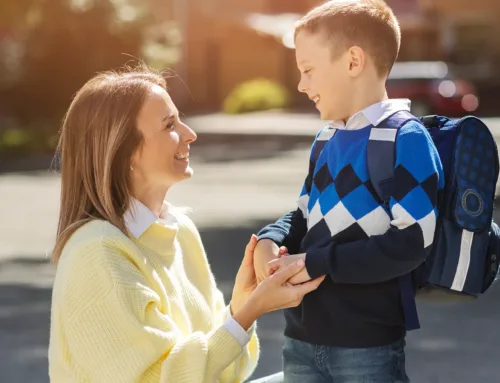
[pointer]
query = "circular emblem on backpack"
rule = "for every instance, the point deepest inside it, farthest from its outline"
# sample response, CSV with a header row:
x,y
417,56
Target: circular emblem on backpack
x,y
472,203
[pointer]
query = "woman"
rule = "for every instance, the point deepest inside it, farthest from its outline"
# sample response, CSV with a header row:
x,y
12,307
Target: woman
x,y
134,298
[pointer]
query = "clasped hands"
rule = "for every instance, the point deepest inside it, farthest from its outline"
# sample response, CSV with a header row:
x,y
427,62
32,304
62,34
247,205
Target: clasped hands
x,y
269,258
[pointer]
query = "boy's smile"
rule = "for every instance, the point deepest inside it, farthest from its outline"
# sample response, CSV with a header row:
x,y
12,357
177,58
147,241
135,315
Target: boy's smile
x,y
315,99
324,79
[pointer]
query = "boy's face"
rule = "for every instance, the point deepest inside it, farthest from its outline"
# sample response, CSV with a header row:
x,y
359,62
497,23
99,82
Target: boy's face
x,y
326,81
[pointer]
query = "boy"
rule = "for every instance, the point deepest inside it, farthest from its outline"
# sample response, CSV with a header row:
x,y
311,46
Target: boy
x,y
352,328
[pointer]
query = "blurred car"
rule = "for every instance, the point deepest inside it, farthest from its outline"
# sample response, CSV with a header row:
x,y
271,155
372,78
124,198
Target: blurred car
x,y
432,88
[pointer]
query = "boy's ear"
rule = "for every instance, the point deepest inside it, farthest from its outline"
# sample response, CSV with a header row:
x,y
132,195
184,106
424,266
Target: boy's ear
x,y
357,61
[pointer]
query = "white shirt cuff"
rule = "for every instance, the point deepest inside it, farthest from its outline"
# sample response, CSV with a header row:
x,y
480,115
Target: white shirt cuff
x,y
237,331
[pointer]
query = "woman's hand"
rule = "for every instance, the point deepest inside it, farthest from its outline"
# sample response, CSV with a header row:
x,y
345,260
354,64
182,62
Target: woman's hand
x,y
276,292
266,251
250,300
246,280
301,277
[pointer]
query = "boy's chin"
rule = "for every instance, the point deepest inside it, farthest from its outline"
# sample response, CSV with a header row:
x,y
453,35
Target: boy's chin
x,y
329,115
325,116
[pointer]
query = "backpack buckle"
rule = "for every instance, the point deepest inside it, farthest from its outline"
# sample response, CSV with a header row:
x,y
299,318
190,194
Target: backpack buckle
x,y
430,121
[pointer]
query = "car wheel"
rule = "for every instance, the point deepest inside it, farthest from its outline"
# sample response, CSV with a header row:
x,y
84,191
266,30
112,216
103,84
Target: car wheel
x,y
420,108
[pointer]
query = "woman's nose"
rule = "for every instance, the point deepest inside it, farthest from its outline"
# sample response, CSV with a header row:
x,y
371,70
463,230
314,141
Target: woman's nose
x,y
189,135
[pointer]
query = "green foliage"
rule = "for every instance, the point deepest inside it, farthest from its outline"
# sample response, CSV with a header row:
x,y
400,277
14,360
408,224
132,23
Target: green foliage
x,y
63,49
256,95
26,141
54,47
63,46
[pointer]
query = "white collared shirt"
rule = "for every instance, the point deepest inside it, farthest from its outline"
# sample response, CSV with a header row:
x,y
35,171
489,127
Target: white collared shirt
x,y
374,114
139,218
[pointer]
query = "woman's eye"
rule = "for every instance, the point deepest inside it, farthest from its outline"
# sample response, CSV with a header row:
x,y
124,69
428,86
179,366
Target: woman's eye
x,y
171,125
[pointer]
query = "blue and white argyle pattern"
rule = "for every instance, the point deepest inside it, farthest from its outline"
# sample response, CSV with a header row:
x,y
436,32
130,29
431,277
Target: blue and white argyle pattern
x,y
339,201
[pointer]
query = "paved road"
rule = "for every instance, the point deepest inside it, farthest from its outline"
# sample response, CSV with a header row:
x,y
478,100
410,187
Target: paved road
x,y
277,123
230,200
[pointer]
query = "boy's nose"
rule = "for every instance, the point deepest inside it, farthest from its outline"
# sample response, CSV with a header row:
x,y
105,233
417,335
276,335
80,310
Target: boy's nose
x,y
301,87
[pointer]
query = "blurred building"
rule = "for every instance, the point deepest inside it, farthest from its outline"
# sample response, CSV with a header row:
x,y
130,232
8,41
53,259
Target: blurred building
x,y
227,42
469,33
230,41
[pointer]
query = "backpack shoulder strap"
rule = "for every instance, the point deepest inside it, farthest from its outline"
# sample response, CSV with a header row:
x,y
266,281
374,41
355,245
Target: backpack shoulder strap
x,y
381,154
321,140
381,157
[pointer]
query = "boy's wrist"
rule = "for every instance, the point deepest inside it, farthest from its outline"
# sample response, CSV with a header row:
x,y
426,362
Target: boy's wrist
x,y
271,236
317,263
268,247
267,242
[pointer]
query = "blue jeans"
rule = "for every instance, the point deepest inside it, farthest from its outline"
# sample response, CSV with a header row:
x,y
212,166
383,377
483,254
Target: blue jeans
x,y
306,363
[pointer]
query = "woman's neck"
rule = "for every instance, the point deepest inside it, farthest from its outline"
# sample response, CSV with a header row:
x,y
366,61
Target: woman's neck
x,y
152,198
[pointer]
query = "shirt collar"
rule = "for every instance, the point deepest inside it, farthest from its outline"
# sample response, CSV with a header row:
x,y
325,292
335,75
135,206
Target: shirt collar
x,y
374,114
138,218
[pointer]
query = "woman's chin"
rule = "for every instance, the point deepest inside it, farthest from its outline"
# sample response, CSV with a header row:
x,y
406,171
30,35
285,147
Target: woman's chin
x,y
185,173
183,166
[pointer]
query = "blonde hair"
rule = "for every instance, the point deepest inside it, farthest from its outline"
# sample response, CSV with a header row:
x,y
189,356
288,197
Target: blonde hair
x,y
98,137
369,24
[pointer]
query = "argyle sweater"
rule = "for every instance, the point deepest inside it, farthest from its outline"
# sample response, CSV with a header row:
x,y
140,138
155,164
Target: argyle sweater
x,y
347,234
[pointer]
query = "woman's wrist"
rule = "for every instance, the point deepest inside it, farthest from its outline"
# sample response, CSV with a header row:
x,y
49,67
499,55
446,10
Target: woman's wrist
x,y
245,315
238,301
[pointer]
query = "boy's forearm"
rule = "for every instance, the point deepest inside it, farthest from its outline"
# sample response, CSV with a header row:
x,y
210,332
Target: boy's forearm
x,y
418,177
377,259
287,231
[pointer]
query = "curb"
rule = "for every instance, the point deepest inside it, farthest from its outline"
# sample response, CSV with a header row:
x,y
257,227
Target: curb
x,y
206,139
217,138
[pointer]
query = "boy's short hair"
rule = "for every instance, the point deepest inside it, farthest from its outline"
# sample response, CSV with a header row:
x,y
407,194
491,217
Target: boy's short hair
x,y
369,24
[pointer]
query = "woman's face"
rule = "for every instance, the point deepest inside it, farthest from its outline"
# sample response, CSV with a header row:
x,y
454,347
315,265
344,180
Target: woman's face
x,y
163,158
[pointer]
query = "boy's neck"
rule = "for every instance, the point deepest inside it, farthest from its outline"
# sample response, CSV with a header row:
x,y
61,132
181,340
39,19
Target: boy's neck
x,y
363,100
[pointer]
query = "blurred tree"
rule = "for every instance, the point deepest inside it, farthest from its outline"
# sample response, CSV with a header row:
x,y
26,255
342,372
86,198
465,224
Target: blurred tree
x,y
62,43
13,13
63,47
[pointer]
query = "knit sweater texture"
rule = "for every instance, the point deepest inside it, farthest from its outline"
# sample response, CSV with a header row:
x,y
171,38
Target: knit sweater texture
x,y
142,310
349,234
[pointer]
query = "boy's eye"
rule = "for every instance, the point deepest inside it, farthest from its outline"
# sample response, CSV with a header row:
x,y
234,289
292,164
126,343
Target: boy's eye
x,y
307,71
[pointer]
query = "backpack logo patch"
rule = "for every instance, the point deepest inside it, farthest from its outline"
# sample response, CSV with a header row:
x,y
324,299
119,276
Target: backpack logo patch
x,y
472,203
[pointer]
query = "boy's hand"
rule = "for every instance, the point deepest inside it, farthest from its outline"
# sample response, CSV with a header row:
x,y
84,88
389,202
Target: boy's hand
x,y
284,261
266,251
300,277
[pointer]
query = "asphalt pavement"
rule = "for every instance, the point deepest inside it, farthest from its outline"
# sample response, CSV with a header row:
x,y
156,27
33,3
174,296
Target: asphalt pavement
x,y
236,189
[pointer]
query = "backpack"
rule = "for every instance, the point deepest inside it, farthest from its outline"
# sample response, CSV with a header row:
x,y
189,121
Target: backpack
x,y
464,259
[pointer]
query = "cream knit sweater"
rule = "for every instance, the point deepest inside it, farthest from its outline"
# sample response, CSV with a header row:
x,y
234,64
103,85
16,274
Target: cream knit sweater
x,y
141,310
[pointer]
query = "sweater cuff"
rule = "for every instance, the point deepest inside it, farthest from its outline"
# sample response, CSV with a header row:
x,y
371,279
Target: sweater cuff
x,y
273,232
317,262
223,349
235,329
277,238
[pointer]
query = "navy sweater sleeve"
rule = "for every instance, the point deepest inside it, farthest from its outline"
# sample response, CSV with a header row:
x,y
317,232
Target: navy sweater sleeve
x,y
418,176
287,231
290,229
